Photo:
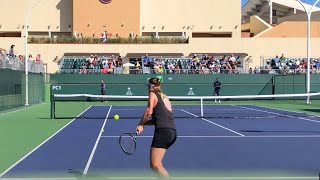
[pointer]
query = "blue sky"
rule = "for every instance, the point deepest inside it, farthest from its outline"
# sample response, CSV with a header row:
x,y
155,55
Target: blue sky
x,y
306,1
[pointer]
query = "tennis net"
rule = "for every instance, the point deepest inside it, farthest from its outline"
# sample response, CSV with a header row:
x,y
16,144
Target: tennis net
x,y
66,106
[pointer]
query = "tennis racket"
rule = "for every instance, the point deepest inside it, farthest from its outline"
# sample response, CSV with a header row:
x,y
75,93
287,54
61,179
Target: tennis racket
x,y
128,143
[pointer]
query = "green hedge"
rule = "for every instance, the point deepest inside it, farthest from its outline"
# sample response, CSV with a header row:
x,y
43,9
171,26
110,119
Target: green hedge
x,y
73,40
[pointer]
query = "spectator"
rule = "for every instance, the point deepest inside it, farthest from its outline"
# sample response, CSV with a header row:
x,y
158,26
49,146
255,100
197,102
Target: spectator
x,y
256,70
131,35
146,61
206,70
206,57
274,62
38,58
276,59
232,59
282,58
160,70
136,39
176,69
297,63
119,62
83,69
183,36
90,60
138,67
318,66
104,69
21,57
11,51
195,59
104,37
113,60
95,60
110,67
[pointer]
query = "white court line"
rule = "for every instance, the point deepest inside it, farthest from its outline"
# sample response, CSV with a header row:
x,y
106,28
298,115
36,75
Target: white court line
x,y
213,123
191,178
96,144
219,178
269,136
176,109
138,109
24,157
311,115
228,109
53,178
278,114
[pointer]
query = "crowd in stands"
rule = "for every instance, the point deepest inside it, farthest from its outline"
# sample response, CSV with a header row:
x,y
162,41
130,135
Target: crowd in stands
x,y
156,65
197,64
283,65
194,65
17,62
92,64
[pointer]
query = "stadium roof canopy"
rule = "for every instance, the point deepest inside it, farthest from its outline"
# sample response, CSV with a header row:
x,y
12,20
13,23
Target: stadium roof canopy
x,y
283,8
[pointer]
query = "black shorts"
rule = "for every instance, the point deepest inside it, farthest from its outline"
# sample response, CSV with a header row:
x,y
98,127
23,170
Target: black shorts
x,y
216,92
164,138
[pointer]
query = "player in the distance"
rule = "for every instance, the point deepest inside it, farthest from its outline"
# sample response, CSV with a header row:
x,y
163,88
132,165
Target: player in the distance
x,y
217,88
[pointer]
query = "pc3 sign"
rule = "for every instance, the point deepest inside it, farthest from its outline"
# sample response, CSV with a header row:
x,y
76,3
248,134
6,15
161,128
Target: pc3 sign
x,y
105,1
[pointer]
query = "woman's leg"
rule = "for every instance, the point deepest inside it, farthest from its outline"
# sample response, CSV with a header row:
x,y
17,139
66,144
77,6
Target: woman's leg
x,y
156,156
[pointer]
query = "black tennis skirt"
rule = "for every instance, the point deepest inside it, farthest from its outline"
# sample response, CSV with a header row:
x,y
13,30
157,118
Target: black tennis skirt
x,y
164,138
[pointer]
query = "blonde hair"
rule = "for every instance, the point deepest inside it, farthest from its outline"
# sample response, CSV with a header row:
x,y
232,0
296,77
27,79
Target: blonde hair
x,y
156,82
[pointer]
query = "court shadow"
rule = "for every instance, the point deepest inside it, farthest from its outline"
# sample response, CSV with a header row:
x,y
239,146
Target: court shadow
x,y
261,131
47,118
76,174
312,110
79,175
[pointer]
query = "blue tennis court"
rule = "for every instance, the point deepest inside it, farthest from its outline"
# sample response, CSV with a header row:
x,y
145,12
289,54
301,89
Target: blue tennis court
x,y
211,148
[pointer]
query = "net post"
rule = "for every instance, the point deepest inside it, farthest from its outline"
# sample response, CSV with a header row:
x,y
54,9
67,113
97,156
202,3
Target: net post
x,y
201,100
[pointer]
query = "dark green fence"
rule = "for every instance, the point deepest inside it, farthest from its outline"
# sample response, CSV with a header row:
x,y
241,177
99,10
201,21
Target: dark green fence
x,y
12,89
184,85
174,85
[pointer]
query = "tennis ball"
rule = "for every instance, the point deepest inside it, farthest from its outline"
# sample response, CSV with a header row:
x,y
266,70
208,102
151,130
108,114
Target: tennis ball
x,y
102,130
116,117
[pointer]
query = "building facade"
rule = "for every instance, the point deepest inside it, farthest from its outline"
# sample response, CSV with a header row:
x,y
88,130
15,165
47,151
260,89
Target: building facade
x,y
212,26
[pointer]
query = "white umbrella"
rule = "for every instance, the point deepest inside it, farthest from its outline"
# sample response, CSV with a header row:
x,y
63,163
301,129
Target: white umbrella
x,y
128,64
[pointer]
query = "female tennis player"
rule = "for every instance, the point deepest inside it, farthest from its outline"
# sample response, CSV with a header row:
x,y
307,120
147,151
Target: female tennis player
x,y
159,108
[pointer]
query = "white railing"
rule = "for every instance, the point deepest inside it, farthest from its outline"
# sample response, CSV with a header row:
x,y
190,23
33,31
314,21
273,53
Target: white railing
x,y
8,62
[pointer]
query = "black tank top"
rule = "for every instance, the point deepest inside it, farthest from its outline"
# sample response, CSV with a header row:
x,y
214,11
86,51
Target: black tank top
x,y
162,116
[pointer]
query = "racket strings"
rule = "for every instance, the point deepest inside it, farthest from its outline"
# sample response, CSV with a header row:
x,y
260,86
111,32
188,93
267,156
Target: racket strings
x,y
128,144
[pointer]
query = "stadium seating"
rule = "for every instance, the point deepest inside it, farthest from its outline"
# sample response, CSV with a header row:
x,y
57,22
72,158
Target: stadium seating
x,y
157,65
289,66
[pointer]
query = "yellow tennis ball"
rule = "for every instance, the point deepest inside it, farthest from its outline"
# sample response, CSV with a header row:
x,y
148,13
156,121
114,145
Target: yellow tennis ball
x,y
102,130
116,117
